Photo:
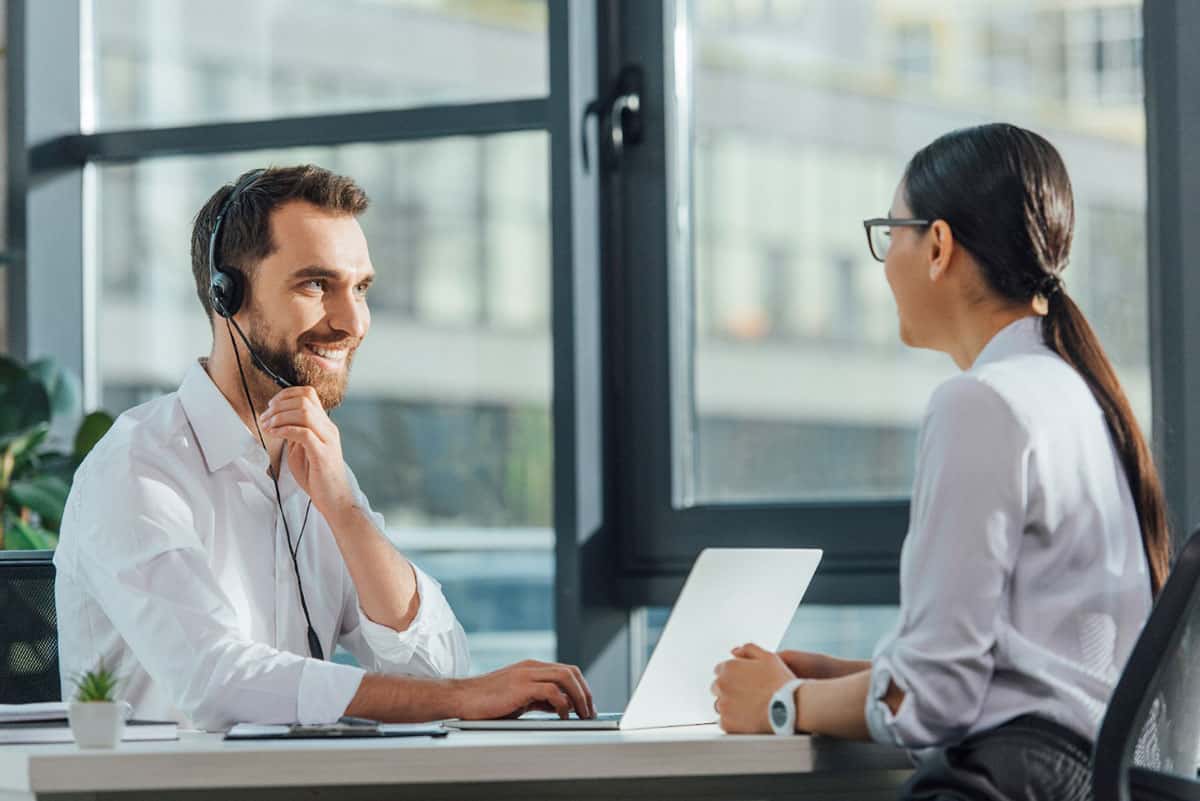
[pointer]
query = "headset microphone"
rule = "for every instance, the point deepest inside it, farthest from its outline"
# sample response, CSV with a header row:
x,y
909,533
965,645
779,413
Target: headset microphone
x,y
226,290
281,382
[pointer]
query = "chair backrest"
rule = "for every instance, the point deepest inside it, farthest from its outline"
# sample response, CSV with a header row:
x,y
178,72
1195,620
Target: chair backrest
x,y
28,628
1149,742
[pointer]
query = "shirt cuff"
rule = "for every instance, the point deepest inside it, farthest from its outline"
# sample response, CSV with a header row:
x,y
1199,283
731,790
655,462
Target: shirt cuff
x,y
326,689
434,617
880,720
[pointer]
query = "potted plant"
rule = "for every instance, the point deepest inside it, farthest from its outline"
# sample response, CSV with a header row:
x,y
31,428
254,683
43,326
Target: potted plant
x,y
35,474
97,718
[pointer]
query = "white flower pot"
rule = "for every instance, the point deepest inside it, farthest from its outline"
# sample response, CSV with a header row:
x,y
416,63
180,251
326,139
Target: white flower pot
x,y
98,724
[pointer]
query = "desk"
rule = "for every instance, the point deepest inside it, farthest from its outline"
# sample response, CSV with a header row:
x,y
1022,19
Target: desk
x,y
686,763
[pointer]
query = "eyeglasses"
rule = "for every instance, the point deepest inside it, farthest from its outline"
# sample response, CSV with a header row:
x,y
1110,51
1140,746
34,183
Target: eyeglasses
x,y
879,233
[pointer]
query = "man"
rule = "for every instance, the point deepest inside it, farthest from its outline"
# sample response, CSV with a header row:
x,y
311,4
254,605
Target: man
x,y
215,544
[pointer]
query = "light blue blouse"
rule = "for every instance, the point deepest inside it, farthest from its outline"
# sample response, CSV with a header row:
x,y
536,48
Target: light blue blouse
x,y
1023,581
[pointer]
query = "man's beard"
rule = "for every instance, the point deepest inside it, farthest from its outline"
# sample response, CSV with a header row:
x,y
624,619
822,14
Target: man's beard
x,y
292,366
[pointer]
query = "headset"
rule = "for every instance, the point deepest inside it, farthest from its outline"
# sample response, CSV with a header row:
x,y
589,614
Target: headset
x,y
227,285
226,291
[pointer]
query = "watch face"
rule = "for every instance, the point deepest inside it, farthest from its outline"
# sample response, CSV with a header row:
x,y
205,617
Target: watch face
x,y
779,713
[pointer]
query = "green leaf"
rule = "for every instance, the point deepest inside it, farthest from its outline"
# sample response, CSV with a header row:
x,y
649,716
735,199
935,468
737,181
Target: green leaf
x,y
25,443
93,427
46,495
21,536
96,685
53,463
61,385
24,403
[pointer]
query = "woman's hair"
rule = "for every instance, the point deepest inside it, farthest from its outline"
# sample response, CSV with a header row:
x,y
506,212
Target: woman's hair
x,y
1005,194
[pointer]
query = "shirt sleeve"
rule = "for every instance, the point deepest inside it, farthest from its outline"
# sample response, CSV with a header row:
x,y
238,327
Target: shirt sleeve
x,y
139,556
968,515
433,646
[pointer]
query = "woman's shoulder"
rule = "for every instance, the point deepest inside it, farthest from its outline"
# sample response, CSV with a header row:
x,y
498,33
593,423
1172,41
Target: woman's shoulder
x,y
1025,390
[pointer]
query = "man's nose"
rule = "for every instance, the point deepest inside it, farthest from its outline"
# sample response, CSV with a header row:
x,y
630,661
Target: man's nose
x,y
349,315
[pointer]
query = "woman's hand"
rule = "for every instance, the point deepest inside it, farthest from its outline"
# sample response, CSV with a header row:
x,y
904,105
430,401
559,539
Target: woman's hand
x,y
810,665
744,686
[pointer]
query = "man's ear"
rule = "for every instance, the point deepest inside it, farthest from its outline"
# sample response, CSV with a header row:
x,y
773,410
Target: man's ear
x,y
941,249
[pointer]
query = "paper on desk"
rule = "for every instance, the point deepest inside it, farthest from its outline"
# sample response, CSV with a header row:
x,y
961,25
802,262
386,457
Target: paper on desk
x,y
245,730
17,713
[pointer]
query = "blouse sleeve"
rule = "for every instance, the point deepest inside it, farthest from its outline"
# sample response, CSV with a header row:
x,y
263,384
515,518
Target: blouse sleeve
x,y
968,515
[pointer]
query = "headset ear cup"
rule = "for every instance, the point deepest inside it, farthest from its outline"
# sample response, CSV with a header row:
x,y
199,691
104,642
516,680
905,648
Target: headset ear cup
x,y
227,292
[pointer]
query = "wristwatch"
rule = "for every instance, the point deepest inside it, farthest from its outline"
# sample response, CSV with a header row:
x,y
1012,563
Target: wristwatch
x,y
781,710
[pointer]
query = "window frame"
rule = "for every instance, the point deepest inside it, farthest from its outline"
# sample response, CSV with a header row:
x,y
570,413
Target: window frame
x,y
650,355
650,362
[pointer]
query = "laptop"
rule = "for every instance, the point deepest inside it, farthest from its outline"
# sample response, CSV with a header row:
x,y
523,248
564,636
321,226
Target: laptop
x,y
731,597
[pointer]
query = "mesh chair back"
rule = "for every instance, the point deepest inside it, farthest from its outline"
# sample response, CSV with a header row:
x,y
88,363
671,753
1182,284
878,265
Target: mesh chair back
x,y
1149,743
28,628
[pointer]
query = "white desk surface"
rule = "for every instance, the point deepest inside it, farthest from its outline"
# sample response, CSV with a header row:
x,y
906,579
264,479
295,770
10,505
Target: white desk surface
x,y
203,761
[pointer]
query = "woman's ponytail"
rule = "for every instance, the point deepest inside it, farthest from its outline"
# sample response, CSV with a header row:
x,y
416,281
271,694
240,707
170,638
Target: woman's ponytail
x,y
1067,332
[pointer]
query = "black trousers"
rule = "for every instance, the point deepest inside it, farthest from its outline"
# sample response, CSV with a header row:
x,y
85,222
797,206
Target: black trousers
x,y
1027,759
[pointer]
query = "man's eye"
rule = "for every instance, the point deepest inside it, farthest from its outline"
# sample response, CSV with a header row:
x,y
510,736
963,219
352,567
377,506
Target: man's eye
x,y
362,289
316,283
887,232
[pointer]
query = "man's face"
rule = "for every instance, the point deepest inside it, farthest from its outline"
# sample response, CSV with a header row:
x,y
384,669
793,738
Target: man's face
x,y
307,311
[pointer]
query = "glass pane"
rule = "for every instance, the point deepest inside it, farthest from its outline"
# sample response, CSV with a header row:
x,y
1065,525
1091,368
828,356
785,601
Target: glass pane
x,y
447,418
849,632
803,115
174,62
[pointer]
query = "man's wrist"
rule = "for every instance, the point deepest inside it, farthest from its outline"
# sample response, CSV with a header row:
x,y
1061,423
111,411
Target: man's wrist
x,y
342,514
451,695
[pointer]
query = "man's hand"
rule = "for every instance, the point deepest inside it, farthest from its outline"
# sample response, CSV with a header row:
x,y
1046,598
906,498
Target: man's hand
x,y
744,686
315,458
526,686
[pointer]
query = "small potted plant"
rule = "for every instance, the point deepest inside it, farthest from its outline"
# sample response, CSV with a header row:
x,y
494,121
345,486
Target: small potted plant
x,y
97,718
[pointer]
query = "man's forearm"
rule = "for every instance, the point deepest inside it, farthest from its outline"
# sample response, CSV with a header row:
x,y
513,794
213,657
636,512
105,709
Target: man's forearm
x,y
403,699
385,581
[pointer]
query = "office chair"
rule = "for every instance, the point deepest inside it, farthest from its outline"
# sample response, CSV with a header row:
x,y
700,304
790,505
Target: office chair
x,y
28,628
1150,738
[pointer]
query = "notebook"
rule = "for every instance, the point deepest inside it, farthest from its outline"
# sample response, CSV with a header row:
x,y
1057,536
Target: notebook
x,y
31,732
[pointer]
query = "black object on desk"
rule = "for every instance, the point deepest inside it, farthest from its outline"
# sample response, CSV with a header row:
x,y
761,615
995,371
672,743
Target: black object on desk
x,y
345,728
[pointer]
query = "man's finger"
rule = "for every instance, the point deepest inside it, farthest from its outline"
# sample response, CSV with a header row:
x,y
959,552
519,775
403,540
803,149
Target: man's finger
x,y
587,690
289,393
304,437
290,404
550,693
296,417
565,679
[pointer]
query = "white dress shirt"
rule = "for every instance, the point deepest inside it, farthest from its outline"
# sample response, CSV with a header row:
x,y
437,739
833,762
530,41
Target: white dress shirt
x,y
1023,580
173,568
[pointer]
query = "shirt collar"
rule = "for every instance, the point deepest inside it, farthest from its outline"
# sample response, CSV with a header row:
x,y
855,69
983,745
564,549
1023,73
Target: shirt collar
x,y
221,434
1021,336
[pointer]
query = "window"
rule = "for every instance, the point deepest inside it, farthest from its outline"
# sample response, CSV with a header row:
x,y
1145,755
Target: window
x,y
173,62
800,389
447,421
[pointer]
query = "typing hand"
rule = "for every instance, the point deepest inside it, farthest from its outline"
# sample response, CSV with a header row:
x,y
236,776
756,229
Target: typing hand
x,y
744,686
526,686
315,455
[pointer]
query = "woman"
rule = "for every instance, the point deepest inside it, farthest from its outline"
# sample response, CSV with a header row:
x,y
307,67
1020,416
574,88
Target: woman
x,y
1038,534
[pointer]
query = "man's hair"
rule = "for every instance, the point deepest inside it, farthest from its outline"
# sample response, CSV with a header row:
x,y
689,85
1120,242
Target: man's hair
x,y
245,238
